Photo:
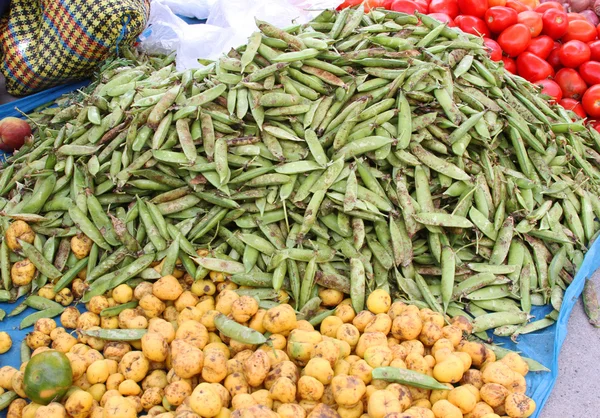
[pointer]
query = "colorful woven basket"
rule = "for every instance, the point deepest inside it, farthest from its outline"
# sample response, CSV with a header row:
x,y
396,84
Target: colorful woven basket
x,y
49,42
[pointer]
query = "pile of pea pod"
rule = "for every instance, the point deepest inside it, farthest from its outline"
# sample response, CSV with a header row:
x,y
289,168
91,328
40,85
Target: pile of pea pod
x,y
355,152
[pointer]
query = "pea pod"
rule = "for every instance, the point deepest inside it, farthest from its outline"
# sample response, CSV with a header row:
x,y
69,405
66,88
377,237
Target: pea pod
x,y
501,352
88,228
132,270
238,332
25,352
39,303
591,303
39,261
5,266
70,275
116,310
6,399
46,313
116,334
407,377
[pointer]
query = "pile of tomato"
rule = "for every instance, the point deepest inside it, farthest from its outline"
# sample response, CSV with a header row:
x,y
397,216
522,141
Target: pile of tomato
x,y
542,43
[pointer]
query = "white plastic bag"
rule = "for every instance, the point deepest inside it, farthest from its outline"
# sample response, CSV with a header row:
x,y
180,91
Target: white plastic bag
x,y
229,24
198,9
163,31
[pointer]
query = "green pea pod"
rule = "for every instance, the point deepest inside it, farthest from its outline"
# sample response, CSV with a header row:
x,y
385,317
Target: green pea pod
x,y
100,286
591,303
407,377
46,313
116,334
443,220
108,263
17,309
132,270
153,232
25,352
116,310
101,220
448,262
223,266
357,284
41,195
70,275
88,228
39,303
238,332
39,261
279,275
500,352
6,399
171,258
5,266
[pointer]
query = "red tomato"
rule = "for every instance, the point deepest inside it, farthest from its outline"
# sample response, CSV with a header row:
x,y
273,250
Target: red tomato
x,y
598,29
574,106
499,18
574,53
405,6
541,46
475,8
555,23
575,16
514,39
493,49
443,17
349,3
549,5
554,60
591,101
533,21
533,68
450,7
373,4
510,65
571,83
387,4
422,5
590,72
473,25
550,88
532,4
596,125
581,30
595,50
517,6
492,3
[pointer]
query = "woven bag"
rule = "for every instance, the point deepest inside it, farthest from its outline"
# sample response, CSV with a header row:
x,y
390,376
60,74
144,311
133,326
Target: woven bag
x,y
50,42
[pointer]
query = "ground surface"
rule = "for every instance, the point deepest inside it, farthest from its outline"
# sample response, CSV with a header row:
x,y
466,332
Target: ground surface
x,y
577,391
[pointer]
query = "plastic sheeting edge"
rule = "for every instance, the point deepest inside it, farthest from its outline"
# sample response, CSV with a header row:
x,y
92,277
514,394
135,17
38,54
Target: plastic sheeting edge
x,y
29,103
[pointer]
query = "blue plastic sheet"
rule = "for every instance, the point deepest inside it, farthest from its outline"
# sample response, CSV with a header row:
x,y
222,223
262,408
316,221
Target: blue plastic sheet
x,y
27,104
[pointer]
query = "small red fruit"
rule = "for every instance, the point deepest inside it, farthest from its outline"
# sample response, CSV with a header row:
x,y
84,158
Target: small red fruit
x,y
510,65
550,88
13,132
574,106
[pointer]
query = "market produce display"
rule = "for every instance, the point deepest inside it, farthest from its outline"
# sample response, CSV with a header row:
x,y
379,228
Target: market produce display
x,y
389,360
366,174
551,43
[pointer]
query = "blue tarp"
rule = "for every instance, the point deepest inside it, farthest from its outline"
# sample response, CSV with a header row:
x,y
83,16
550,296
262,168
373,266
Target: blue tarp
x,y
27,104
